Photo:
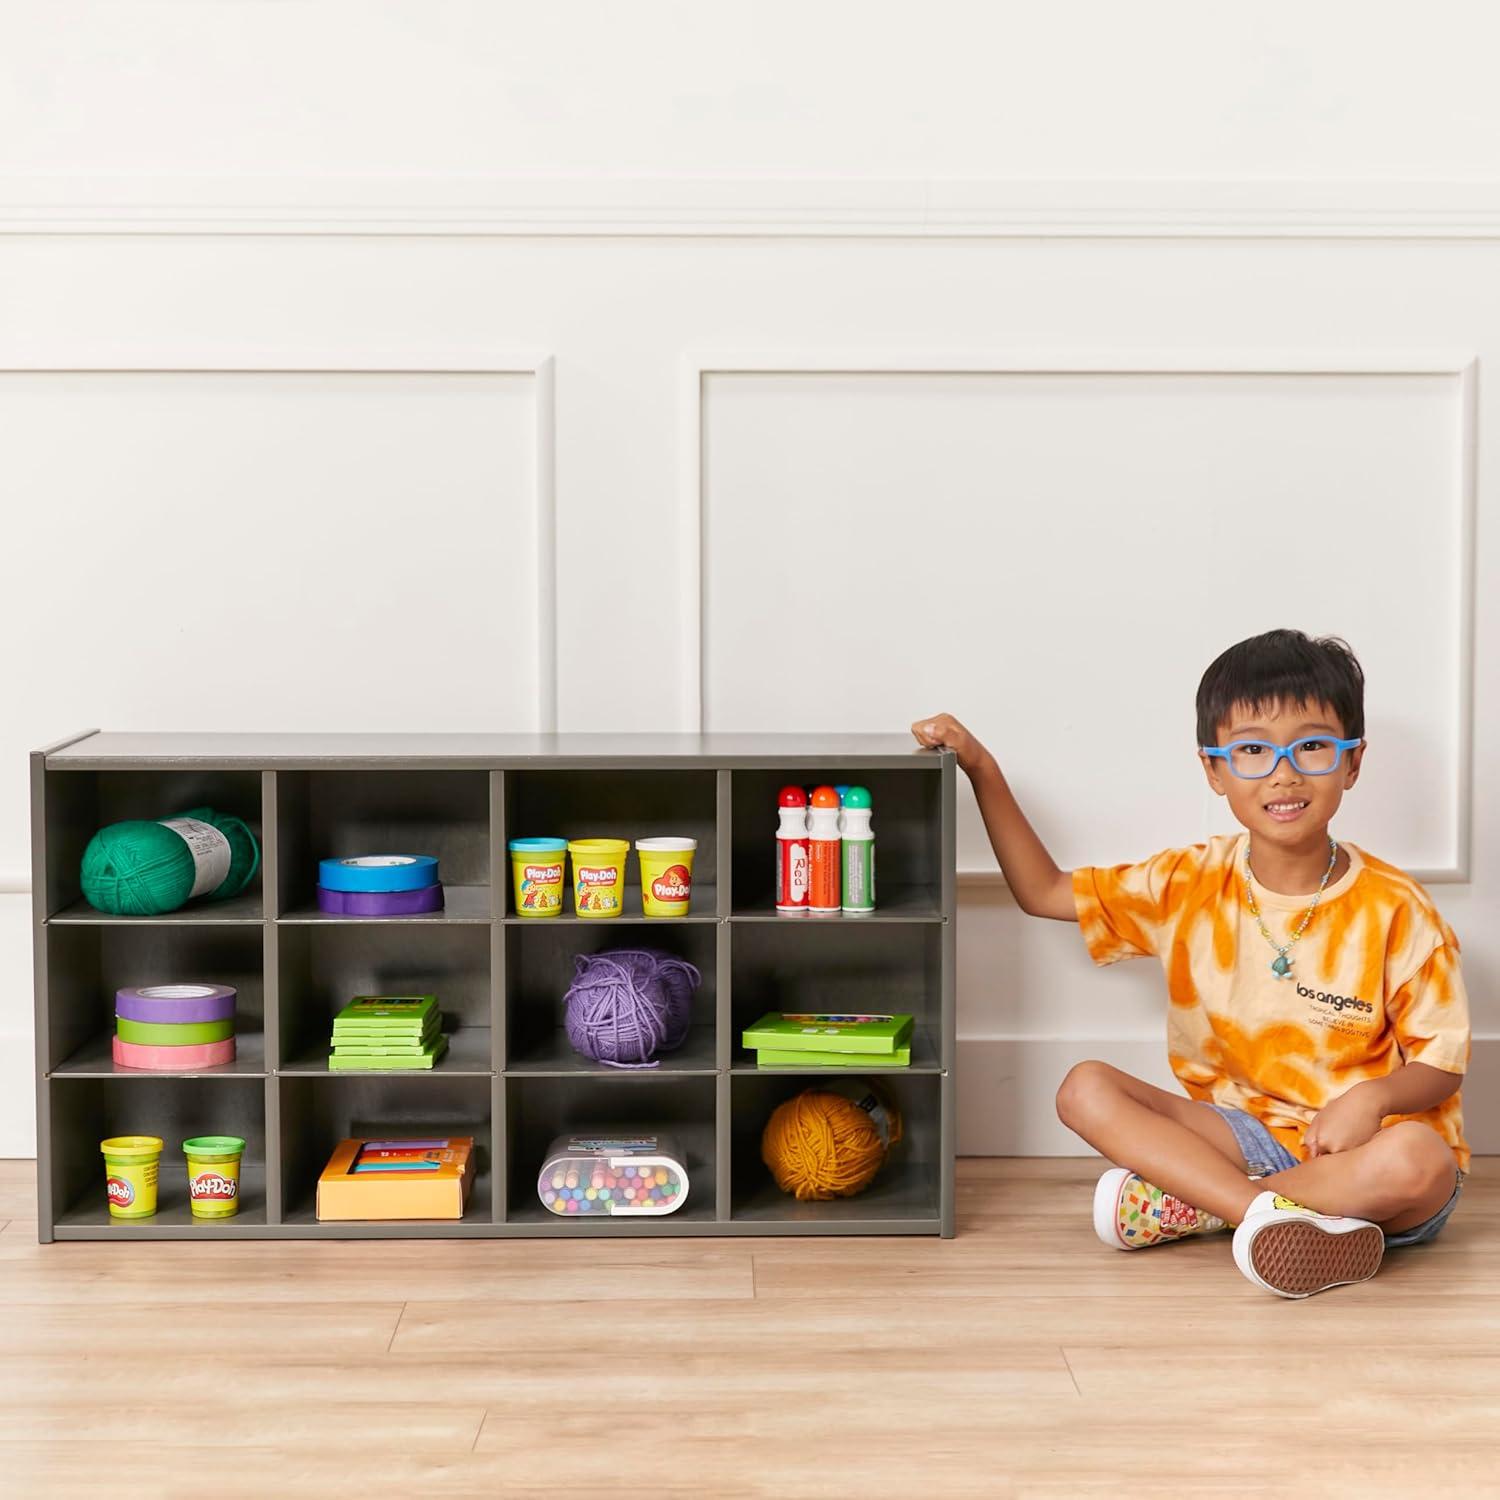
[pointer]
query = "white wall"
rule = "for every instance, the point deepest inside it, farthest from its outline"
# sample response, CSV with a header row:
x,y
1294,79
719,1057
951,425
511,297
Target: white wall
x,y
1083,349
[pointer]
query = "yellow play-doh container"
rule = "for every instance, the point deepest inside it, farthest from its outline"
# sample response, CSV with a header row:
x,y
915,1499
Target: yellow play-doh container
x,y
598,876
537,869
666,876
213,1168
131,1164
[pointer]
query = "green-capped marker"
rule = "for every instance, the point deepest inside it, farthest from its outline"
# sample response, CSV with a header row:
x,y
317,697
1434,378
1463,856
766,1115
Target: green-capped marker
x,y
859,854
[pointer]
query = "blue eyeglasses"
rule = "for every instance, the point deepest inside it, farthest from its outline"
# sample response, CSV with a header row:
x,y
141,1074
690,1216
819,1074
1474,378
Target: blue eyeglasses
x,y
1253,759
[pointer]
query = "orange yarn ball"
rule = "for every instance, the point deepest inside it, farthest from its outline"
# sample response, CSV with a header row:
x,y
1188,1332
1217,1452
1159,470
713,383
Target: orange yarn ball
x,y
822,1145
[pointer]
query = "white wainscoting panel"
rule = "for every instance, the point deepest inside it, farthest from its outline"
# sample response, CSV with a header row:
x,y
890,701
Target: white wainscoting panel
x,y
873,533
273,544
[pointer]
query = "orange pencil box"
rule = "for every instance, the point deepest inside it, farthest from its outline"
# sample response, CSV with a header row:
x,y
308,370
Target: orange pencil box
x,y
425,1178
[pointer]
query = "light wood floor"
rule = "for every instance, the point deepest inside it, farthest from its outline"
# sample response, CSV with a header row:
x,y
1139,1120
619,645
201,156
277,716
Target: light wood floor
x,y
1022,1358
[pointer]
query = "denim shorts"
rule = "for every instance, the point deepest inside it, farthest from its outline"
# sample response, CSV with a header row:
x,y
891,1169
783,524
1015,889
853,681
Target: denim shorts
x,y
1264,1154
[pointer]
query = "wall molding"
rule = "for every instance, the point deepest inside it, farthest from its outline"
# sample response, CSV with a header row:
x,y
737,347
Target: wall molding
x,y
214,359
1463,366
80,203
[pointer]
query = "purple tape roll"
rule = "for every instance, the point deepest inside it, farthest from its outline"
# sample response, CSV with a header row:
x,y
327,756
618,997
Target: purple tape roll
x,y
380,903
176,1002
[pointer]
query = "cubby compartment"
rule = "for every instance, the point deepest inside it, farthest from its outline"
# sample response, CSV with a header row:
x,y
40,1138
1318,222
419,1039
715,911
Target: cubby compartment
x,y
902,1198
318,1113
624,804
343,814
539,969
907,821
539,1109
88,962
321,967
79,803
802,965
85,1111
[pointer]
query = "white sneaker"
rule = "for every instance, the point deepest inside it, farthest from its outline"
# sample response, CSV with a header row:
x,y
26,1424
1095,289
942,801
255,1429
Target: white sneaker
x,y
1294,1252
1130,1214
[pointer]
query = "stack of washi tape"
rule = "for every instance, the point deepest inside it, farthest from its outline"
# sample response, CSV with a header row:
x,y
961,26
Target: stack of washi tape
x,y
174,1028
379,885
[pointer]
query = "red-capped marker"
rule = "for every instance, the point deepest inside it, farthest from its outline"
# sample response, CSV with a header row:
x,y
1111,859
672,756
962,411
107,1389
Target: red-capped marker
x,y
793,868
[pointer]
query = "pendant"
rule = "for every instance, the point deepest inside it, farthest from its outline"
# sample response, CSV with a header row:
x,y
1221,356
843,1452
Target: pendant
x,y
1281,966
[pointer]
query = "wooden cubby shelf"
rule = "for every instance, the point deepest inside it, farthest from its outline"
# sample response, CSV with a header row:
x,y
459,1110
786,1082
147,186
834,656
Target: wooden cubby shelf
x,y
509,1077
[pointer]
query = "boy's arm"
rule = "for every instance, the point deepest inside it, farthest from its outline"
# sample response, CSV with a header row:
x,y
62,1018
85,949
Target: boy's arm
x,y
1354,1117
1040,888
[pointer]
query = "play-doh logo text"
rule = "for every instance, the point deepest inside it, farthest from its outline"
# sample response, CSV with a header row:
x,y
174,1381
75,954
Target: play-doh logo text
x,y
212,1187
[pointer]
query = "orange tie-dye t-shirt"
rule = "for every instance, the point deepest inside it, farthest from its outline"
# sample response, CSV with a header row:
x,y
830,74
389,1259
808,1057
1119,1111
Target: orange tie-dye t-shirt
x,y
1375,981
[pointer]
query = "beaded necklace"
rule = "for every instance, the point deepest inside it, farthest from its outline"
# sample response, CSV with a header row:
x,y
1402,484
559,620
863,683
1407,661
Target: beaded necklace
x,y
1281,965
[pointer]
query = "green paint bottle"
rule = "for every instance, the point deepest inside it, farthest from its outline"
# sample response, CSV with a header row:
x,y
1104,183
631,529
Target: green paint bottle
x,y
859,854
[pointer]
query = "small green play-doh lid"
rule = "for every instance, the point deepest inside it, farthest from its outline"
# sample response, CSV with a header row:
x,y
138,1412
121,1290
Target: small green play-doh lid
x,y
213,1147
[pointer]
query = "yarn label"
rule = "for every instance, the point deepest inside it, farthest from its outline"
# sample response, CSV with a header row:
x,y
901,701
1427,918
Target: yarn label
x,y
210,851
880,1116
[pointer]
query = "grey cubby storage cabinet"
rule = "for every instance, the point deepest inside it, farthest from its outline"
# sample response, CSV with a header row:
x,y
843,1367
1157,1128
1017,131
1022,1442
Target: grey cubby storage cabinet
x,y
509,1078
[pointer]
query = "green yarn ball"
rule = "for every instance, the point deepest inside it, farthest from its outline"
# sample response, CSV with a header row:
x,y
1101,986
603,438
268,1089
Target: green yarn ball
x,y
140,869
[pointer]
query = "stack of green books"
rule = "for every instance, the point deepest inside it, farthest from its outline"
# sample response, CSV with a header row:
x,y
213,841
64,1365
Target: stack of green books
x,y
381,1033
837,1040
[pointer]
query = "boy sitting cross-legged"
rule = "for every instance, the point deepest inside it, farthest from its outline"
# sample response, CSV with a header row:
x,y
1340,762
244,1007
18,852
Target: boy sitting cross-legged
x,y
1317,1017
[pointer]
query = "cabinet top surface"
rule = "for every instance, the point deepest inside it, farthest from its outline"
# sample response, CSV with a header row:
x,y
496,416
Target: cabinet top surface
x,y
109,750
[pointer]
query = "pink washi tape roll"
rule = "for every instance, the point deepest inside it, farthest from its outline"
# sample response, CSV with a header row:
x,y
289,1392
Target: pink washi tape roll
x,y
172,1059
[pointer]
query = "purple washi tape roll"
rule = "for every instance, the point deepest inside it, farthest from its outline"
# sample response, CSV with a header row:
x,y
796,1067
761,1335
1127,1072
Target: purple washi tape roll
x,y
380,903
176,1002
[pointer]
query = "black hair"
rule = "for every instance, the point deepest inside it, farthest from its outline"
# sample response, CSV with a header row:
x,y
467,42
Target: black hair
x,y
1283,666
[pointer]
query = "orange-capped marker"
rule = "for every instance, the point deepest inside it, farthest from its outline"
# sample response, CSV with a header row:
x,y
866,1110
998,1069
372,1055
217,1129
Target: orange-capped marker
x,y
824,894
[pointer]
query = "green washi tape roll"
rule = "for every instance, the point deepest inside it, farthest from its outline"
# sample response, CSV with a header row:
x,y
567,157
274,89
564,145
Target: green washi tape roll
x,y
172,1033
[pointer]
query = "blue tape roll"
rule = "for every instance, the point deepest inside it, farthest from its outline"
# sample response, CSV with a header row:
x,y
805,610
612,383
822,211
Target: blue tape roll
x,y
378,872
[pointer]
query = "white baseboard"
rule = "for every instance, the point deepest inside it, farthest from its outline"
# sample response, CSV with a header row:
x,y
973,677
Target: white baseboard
x,y
1006,1087
17,1095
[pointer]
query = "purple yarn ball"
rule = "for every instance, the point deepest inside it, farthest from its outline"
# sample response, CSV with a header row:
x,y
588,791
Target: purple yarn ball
x,y
628,1004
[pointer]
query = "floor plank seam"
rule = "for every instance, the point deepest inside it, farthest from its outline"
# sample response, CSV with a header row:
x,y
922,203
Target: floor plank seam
x,y
391,1342
754,1284
1068,1365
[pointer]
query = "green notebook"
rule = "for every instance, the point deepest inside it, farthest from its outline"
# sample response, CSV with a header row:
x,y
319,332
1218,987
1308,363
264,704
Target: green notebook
x,y
381,1046
388,1012
833,1031
773,1057
391,1062
352,1031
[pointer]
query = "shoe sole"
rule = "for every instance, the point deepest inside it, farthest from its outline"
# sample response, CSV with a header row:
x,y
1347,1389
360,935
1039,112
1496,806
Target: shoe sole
x,y
1107,1209
1297,1258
